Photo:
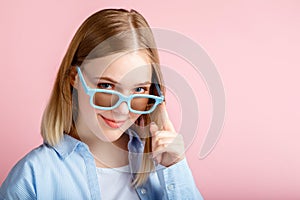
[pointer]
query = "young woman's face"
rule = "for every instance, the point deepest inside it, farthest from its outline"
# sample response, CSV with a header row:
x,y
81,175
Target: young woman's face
x,y
127,74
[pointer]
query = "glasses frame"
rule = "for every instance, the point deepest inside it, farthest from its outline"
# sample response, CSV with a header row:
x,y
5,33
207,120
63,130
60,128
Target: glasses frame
x,y
122,98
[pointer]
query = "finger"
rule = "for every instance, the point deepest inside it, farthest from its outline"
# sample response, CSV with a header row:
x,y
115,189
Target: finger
x,y
166,137
157,159
157,135
167,124
175,150
153,128
155,142
157,153
162,136
161,143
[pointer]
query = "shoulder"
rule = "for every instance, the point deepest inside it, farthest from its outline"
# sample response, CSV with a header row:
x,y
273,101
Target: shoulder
x,y
22,177
35,159
44,171
27,178
40,164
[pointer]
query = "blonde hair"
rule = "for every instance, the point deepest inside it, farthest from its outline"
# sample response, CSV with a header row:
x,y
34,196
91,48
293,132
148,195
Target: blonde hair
x,y
100,35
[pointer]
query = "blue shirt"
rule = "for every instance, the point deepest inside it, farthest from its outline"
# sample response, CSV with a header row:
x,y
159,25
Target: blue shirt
x,y
68,171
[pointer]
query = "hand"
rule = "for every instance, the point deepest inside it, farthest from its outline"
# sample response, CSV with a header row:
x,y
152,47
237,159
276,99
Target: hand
x,y
167,144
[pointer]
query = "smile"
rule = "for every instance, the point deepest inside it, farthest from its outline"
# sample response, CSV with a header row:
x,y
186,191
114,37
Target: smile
x,y
113,123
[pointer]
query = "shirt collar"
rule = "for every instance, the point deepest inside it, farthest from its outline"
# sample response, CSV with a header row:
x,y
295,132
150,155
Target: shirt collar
x,y
136,151
135,145
68,144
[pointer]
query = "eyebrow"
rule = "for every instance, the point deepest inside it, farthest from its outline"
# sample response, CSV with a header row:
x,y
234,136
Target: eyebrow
x,y
116,82
144,83
106,78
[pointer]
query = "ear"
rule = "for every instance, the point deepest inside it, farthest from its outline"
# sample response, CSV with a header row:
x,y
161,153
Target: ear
x,y
74,77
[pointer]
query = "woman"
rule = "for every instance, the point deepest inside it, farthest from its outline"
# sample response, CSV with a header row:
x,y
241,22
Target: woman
x,y
106,130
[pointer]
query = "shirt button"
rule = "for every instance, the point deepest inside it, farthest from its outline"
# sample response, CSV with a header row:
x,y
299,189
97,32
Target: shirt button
x,y
143,191
171,187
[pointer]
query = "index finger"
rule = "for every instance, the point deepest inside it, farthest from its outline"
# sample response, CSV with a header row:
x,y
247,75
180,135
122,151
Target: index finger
x,y
167,124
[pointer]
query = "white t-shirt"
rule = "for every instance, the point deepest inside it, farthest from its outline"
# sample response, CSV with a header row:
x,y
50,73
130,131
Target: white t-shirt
x,y
115,183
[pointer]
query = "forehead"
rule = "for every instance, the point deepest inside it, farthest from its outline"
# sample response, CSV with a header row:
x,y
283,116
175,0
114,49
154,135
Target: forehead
x,y
129,68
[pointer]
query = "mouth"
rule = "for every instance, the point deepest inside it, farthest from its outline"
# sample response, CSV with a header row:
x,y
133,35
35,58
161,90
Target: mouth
x,y
113,123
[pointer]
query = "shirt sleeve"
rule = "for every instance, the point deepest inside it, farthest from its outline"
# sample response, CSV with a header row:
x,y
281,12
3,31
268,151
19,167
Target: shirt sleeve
x,y
20,183
178,183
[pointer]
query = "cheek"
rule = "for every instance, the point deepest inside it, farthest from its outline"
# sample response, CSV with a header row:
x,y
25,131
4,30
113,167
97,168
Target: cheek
x,y
134,117
84,103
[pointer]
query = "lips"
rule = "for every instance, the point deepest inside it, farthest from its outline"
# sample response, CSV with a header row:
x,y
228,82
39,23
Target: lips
x,y
113,123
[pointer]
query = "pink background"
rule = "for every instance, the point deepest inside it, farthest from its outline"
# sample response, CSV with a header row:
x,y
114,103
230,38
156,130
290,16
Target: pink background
x,y
255,46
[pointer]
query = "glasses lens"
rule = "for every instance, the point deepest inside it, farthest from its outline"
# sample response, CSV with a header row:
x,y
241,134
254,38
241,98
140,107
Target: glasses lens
x,y
142,103
105,99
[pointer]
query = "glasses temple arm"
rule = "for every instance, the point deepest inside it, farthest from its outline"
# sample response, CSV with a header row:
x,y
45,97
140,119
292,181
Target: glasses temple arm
x,y
85,87
158,89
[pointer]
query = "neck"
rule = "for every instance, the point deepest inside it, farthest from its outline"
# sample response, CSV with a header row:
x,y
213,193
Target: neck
x,y
107,154
110,155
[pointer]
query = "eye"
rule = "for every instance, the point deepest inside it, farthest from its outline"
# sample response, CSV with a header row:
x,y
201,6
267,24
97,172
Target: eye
x,y
140,90
106,86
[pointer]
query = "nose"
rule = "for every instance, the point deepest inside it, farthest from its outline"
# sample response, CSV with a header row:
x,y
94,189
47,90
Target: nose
x,y
122,109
